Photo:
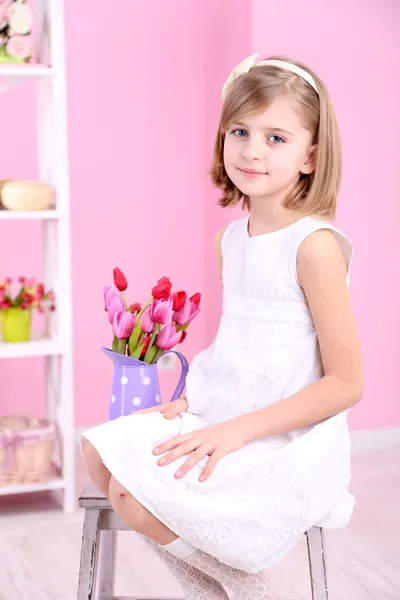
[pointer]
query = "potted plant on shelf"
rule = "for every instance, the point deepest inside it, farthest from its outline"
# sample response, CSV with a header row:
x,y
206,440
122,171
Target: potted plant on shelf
x,y
141,335
17,304
16,20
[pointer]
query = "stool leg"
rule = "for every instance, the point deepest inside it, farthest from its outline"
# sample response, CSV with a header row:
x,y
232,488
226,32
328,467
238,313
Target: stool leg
x,y
87,569
317,562
106,565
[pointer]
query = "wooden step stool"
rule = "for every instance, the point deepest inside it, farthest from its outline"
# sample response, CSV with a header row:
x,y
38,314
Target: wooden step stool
x,y
99,545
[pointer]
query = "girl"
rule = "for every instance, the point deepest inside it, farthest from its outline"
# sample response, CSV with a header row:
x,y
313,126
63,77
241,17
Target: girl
x,y
226,481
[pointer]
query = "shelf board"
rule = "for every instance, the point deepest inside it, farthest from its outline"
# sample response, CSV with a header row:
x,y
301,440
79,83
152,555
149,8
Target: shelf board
x,y
10,71
31,215
55,483
36,347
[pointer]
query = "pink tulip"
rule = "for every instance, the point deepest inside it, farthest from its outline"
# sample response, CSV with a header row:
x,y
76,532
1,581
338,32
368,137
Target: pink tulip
x,y
168,337
110,292
146,322
187,313
115,307
123,323
161,310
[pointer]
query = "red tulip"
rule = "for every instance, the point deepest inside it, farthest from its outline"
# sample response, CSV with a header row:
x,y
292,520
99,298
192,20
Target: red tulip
x,y
146,322
188,312
5,304
168,337
196,298
120,280
184,334
161,310
123,323
135,308
146,343
162,289
178,300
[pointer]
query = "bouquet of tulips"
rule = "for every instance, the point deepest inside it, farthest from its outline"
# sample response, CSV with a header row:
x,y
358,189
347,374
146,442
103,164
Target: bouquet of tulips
x,y
29,294
146,332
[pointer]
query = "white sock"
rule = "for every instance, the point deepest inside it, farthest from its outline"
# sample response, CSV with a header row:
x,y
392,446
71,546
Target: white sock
x,y
180,548
195,584
246,586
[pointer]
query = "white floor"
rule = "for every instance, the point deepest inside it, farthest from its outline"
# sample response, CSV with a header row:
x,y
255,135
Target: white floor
x,y
40,546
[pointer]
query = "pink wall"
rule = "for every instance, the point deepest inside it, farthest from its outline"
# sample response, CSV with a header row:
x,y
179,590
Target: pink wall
x,y
141,137
136,163
355,47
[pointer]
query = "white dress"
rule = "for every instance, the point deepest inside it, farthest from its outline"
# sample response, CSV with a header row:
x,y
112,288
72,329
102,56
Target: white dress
x,y
261,499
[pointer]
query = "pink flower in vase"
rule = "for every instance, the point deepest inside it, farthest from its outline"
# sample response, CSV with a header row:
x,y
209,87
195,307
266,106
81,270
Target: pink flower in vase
x,y
161,310
115,307
113,301
123,323
146,322
168,337
20,46
189,311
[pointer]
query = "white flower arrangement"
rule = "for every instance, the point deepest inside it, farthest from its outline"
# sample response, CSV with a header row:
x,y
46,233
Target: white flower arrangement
x,y
16,19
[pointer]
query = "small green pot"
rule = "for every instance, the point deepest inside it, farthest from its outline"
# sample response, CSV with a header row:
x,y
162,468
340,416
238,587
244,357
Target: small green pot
x,y
16,324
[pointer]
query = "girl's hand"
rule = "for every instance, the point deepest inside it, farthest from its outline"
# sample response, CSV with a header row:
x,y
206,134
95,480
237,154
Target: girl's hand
x,y
216,441
170,410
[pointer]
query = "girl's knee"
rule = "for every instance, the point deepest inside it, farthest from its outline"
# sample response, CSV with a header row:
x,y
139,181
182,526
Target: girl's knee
x,y
129,509
91,457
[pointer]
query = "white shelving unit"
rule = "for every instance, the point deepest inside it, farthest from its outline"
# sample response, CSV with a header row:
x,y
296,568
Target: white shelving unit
x,y
55,346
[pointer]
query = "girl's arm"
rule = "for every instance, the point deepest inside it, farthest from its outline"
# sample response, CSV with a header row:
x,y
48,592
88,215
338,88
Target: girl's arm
x,y
322,273
218,249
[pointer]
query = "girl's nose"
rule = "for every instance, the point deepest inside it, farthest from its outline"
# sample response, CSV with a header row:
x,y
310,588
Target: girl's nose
x,y
253,150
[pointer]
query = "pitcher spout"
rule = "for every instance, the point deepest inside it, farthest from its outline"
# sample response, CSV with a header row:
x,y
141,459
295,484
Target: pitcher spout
x,y
121,359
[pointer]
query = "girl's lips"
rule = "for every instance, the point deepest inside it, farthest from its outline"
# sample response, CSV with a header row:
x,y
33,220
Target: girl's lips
x,y
251,173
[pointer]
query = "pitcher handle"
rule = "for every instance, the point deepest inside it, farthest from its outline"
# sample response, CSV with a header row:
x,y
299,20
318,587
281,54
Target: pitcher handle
x,y
184,372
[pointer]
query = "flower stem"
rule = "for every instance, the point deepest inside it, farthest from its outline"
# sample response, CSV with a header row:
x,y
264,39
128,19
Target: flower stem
x,y
124,299
119,346
158,354
156,329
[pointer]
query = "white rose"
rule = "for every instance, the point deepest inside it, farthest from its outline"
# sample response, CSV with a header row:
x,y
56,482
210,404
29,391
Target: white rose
x,y
20,20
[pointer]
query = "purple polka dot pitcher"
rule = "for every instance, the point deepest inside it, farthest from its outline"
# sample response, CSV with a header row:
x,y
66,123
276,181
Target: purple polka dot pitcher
x,y
135,383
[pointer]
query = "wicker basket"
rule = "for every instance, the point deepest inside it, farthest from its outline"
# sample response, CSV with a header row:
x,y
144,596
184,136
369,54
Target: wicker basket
x,y
26,195
26,450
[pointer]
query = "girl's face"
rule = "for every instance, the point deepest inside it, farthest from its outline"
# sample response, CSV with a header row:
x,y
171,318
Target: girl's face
x,y
265,154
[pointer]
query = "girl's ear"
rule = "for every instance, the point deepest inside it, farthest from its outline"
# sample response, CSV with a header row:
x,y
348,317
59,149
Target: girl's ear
x,y
311,161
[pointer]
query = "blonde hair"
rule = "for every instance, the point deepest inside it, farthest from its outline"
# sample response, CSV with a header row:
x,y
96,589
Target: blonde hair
x,y
251,93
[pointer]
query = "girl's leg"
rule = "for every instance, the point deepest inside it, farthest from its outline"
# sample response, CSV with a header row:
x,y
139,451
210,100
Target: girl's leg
x,y
245,586
95,468
195,584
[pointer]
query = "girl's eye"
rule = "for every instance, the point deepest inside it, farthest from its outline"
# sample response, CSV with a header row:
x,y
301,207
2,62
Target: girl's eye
x,y
239,132
278,138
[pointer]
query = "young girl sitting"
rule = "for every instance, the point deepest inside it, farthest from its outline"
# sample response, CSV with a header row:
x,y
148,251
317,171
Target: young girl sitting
x,y
223,483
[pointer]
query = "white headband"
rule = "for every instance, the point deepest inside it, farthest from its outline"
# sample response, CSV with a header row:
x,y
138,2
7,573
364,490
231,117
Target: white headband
x,y
250,62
